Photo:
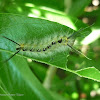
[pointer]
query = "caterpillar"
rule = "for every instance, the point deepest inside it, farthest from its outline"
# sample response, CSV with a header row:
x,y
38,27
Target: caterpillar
x,y
60,43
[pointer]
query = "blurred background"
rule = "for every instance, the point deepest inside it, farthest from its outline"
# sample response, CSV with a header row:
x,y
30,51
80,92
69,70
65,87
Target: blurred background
x,y
67,12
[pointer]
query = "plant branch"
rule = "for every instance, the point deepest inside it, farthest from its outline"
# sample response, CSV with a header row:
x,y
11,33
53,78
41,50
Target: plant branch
x,y
49,77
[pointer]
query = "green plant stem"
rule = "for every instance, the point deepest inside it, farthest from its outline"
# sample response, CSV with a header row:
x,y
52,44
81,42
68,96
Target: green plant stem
x,y
49,77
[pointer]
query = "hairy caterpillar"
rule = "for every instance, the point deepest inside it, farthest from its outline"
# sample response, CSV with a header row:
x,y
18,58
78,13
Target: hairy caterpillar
x,y
55,44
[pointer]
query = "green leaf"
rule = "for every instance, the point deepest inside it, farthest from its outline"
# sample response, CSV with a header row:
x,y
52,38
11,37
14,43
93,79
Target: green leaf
x,y
37,68
25,7
18,79
27,31
4,95
90,73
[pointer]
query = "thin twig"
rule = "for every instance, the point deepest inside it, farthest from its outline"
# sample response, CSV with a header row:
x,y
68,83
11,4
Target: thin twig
x,y
49,77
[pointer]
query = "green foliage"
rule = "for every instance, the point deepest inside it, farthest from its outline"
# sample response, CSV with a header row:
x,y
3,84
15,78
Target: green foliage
x,y
19,82
73,6
24,79
20,28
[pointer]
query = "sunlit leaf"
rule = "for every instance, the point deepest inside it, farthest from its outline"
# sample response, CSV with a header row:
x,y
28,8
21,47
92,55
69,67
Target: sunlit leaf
x,y
90,73
35,33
